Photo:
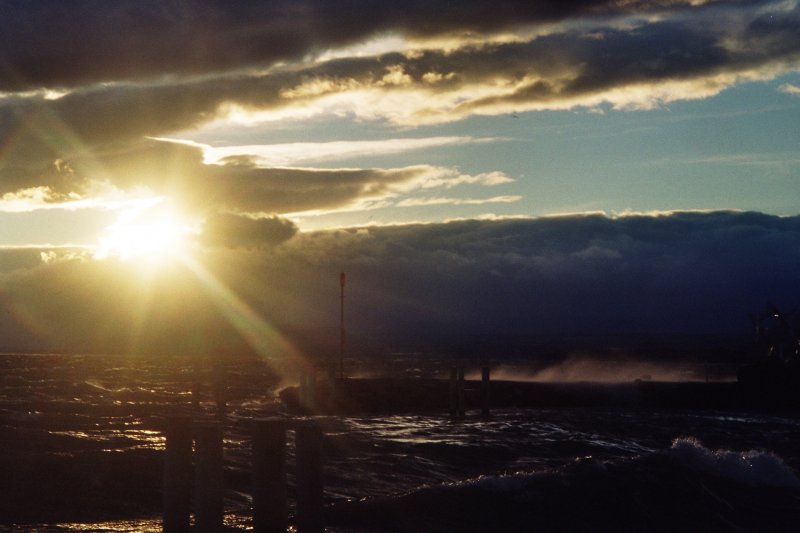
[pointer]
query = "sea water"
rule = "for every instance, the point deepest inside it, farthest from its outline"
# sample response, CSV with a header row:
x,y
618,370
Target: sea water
x,y
82,449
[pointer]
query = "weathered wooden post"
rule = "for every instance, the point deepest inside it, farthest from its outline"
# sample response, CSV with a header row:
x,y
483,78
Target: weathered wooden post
x,y
461,392
208,481
270,512
308,451
485,391
453,392
177,475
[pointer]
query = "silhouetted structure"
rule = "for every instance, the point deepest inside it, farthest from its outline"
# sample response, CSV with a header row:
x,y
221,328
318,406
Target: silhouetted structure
x,y
341,327
774,380
208,485
308,446
177,475
485,391
270,511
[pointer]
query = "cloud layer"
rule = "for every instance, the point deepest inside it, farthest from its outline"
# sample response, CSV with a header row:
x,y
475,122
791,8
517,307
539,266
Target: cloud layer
x,y
86,83
50,44
564,279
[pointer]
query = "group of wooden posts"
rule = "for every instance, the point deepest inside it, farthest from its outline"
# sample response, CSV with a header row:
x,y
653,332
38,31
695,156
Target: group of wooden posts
x,y
457,404
205,487
194,467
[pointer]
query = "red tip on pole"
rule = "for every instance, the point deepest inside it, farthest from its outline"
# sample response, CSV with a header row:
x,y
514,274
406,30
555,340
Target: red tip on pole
x,y
341,279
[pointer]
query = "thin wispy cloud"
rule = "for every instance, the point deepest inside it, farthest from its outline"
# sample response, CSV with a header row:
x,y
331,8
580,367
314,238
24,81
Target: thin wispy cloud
x,y
44,198
308,153
751,159
417,202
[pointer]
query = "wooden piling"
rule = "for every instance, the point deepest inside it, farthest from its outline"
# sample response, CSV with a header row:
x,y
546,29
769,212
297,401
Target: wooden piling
x,y
485,391
270,511
453,392
208,482
177,475
308,450
461,409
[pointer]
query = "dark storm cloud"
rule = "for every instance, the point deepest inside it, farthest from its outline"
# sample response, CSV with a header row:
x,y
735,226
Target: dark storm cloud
x,y
12,259
36,129
79,306
178,170
52,43
232,231
286,190
561,279
573,67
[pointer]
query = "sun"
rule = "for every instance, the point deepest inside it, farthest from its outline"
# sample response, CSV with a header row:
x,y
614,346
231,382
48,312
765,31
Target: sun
x,y
151,232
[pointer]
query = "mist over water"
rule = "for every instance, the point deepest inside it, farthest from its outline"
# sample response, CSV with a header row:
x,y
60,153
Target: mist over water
x,y
591,369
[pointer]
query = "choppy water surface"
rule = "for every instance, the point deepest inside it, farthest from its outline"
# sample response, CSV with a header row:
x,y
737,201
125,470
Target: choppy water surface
x,y
81,441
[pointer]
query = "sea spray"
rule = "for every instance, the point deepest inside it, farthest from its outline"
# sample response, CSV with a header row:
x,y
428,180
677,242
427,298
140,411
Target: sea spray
x,y
579,368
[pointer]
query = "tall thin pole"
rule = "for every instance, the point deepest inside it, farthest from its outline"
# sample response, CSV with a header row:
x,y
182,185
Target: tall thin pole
x,y
341,328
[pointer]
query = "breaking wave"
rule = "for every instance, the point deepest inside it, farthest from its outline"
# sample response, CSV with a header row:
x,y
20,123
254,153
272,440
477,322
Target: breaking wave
x,y
753,467
685,487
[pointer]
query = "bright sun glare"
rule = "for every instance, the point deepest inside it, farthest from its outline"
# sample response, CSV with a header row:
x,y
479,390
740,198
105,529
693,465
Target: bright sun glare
x,y
151,232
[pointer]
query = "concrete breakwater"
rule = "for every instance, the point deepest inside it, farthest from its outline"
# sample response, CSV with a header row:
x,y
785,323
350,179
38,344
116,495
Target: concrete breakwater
x,y
386,394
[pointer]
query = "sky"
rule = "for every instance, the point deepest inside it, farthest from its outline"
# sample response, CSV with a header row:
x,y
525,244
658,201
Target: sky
x,y
193,176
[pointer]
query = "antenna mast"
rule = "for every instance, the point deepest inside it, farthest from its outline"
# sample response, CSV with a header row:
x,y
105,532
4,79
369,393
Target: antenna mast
x,y
341,328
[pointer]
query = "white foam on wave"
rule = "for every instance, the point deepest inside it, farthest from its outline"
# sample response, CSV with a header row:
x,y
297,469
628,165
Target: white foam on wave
x,y
503,483
753,467
519,480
